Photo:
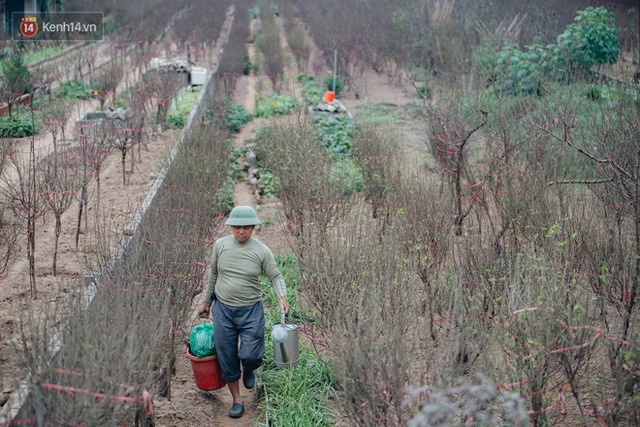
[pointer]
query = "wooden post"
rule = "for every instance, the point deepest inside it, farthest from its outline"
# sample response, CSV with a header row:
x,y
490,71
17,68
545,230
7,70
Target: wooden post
x,y
335,65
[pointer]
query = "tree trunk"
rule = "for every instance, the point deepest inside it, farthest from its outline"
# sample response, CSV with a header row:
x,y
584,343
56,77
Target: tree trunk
x,y
55,245
124,158
83,202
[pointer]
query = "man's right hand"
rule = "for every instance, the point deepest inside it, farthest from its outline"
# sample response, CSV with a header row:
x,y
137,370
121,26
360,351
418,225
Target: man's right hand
x,y
204,309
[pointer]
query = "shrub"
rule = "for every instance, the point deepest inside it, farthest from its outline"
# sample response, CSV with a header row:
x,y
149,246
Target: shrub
x,y
237,117
254,12
299,46
591,39
268,44
485,58
328,83
334,133
522,72
423,92
268,184
247,65
19,126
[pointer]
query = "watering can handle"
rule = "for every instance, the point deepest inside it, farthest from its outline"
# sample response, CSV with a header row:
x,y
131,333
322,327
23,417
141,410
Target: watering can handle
x,y
282,318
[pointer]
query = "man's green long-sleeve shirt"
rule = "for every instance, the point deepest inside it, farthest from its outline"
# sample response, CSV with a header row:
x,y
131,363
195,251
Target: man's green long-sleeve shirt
x,y
235,271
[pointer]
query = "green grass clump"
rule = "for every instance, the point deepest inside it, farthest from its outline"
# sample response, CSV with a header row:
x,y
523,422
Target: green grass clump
x,y
75,89
178,117
274,105
298,396
346,175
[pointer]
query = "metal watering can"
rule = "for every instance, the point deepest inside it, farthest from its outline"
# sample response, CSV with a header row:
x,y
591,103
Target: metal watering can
x,y
286,351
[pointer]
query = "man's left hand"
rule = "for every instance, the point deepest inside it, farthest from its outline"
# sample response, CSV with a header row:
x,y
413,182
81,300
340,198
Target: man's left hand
x,y
284,305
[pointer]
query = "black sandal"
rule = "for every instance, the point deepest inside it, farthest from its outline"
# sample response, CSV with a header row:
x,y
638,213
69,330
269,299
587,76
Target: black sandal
x,y
236,410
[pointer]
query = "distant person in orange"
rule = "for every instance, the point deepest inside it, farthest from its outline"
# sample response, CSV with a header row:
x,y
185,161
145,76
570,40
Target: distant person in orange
x,y
237,261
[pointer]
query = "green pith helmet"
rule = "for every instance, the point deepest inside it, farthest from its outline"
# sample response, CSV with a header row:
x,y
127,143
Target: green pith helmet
x,y
243,215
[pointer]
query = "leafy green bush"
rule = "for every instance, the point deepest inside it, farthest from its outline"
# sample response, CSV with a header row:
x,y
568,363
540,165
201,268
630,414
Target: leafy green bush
x,y
334,132
485,59
237,117
254,11
19,126
268,184
522,72
328,83
591,39
274,105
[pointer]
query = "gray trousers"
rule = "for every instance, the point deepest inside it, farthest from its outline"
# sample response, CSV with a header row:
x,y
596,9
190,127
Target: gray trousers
x,y
233,323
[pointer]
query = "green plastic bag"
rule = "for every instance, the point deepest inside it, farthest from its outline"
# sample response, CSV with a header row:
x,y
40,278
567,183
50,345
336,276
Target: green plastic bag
x,y
201,341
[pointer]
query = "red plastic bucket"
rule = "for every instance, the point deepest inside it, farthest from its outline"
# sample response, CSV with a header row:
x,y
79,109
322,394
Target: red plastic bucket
x,y
329,96
206,372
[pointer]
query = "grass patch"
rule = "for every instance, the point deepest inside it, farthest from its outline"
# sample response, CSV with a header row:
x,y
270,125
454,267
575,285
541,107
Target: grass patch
x,y
75,89
44,53
178,116
274,105
298,396
36,55
377,112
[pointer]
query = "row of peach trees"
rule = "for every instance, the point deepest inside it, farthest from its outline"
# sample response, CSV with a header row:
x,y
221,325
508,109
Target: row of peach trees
x,y
118,351
498,282
42,181
537,291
